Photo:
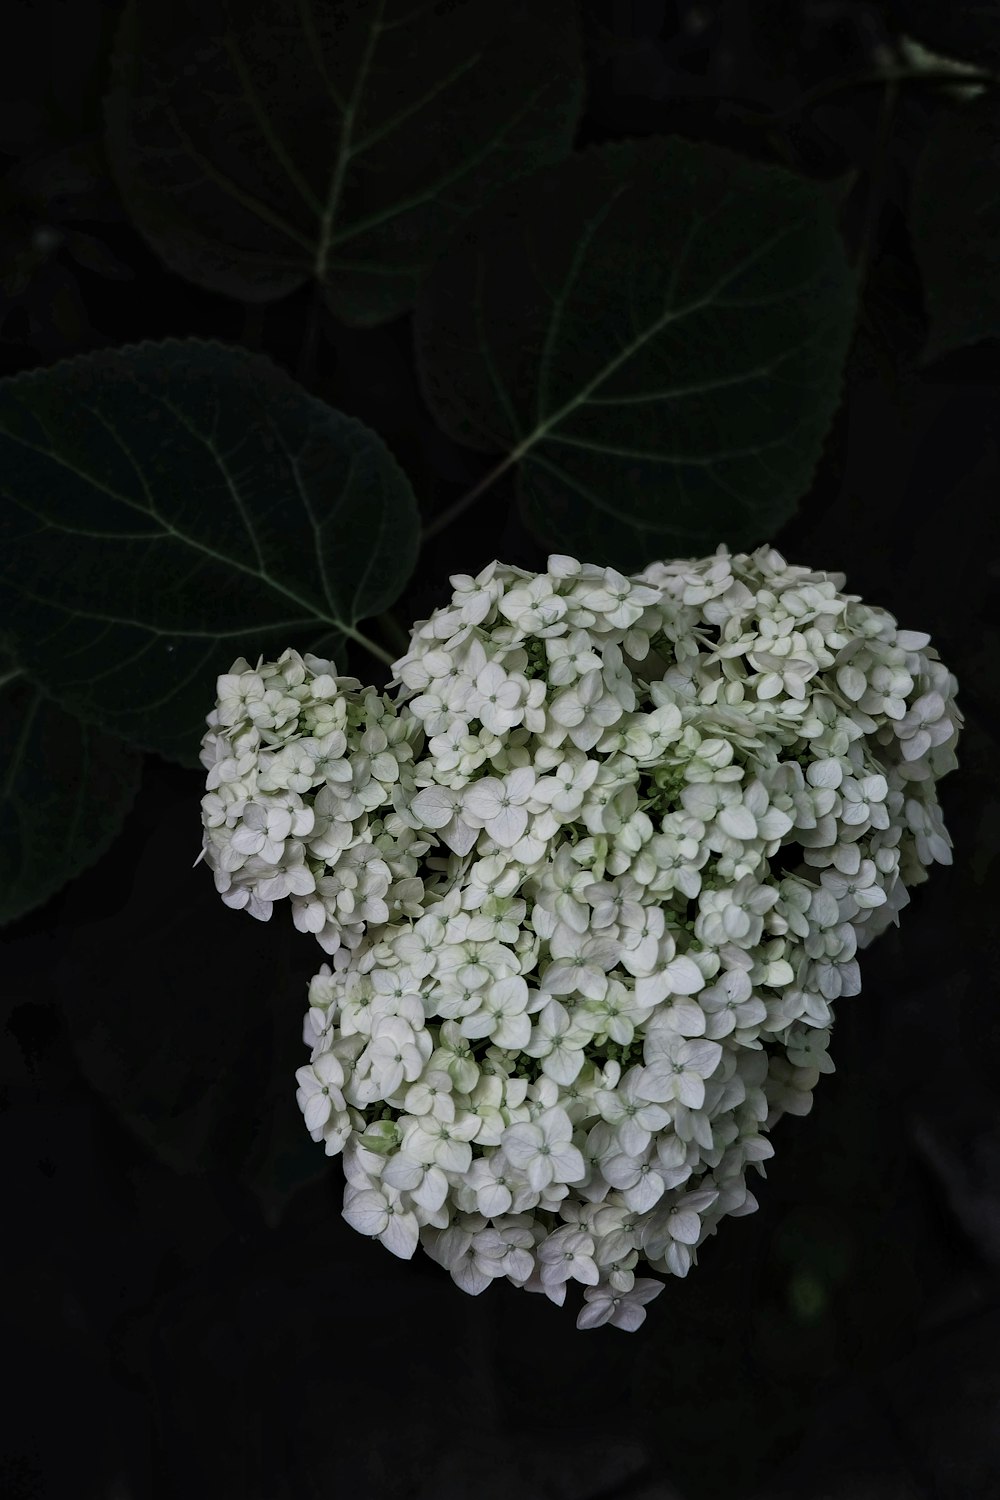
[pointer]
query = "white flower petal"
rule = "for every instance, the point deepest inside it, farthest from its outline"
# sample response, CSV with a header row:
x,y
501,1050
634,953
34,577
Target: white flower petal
x,y
521,1145
483,799
401,1234
684,977
507,826
738,822
367,1213
434,806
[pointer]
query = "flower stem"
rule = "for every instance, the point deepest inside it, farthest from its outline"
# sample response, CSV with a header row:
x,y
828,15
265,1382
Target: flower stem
x,y
883,77
253,325
379,652
305,370
876,178
393,631
454,511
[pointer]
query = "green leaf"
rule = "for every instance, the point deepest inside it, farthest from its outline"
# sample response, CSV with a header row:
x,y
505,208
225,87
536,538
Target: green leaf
x,y
64,793
658,333
197,1060
955,226
169,507
281,1156
271,142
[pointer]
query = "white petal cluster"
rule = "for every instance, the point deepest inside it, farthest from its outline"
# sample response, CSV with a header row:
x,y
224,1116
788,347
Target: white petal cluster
x,y
303,769
591,882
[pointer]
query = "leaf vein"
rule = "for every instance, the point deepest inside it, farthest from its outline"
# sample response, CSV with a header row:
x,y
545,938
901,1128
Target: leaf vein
x,y
270,136
688,460
181,633
13,765
671,315
316,49
326,237
411,109
426,194
235,496
700,389
487,352
248,201
579,254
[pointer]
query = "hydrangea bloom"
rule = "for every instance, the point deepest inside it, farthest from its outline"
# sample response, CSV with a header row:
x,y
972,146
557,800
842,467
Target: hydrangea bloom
x,y
591,878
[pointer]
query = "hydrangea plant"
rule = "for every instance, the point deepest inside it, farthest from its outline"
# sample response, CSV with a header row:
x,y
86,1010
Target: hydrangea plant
x,y
590,877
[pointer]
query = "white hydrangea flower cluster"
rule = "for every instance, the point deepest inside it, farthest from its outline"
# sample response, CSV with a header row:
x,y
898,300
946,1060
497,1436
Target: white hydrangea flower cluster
x,y
302,770
591,883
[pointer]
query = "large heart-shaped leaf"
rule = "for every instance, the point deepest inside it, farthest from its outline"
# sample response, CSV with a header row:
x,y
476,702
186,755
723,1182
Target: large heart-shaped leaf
x,y
169,507
658,332
263,143
955,223
64,791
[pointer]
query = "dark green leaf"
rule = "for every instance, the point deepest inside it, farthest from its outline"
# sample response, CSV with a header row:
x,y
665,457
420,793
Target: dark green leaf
x,y
281,1155
656,331
169,507
265,144
205,1079
955,225
64,793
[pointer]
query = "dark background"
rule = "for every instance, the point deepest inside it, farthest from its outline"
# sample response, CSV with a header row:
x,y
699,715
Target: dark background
x,y
186,1313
